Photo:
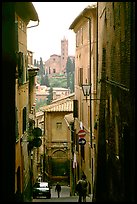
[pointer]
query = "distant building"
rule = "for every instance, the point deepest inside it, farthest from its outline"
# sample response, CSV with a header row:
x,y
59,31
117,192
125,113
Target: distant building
x,y
64,54
42,92
53,65
56,64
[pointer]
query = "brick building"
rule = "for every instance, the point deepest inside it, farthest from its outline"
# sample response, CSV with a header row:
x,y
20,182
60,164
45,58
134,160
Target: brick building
x,y
115,173
56,64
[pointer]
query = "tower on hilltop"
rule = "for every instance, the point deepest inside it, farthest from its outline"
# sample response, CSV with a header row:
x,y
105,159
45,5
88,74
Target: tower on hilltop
x,y
64,54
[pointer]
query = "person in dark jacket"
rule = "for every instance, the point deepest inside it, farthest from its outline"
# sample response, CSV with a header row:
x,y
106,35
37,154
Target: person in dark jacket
x,y
58,189
81,189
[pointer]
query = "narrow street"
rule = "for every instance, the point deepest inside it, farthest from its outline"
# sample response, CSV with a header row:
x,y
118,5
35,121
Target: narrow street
x,y
64,197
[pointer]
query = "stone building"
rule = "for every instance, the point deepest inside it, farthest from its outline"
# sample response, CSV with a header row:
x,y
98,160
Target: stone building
x,y
115,173
42,92
110,164
53,65
16,180
57,140
56,64
24,97
85,74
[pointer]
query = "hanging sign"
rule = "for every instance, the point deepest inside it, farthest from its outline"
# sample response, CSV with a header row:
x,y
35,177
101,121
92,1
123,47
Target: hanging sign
x,y
81,133
82,141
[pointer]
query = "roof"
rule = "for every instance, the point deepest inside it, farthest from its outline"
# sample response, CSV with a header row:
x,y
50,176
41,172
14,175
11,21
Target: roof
x,y
81,15
70,96
39,113
26,11
60,105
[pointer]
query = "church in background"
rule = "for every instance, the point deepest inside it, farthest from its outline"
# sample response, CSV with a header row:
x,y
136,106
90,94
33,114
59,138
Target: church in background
x,y
56,64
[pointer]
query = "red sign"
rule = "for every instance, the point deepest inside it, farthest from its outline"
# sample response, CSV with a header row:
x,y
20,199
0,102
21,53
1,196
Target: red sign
x,y
81,133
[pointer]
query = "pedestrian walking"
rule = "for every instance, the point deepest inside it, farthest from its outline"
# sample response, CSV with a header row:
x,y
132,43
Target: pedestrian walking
x,y
81,189
58,189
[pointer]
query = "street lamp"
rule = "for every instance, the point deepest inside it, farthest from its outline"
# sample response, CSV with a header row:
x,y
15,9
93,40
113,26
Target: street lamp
x,y
86,90
87,87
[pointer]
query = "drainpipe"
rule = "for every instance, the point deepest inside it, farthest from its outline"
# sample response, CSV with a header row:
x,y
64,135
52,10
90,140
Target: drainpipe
x,y
34,25
94,184
44,151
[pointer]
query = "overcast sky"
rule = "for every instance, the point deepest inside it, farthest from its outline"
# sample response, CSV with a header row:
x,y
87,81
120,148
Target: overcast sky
x,y
55,20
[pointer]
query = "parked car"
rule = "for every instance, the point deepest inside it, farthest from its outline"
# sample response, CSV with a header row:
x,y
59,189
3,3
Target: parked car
x,y
41,189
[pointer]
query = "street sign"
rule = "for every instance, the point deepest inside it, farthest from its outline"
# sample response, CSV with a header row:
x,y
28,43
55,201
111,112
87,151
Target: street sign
x,y
81,133
82,141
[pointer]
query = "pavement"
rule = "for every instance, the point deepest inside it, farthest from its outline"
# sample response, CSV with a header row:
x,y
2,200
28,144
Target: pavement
x,y
65,193
64,196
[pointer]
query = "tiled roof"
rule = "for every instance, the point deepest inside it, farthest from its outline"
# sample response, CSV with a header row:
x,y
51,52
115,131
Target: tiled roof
x,y
64,104
40,113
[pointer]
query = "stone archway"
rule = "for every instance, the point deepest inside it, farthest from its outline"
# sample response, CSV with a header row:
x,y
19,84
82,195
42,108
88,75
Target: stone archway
x,y
60,166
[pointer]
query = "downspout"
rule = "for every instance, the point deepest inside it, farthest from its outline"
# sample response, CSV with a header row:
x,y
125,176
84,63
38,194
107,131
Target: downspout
x,y
97,47
34,25
94,185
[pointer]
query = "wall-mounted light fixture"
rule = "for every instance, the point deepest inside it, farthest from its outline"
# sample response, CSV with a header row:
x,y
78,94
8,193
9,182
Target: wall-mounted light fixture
x,y
87,87
86,90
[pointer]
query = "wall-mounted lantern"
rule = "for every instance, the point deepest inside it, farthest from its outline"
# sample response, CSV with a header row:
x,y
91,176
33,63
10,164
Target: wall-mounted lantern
x,y
86,88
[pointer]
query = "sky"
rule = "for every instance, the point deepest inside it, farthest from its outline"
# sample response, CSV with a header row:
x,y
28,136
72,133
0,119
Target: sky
x,y
55,20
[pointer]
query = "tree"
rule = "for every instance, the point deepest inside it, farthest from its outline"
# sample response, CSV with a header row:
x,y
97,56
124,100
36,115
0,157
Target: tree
x,y
50,96
35,62
47,83
45,80
70,70
41,70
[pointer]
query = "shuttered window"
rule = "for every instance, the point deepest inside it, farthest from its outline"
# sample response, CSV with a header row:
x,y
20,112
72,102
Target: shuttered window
x,y
80,76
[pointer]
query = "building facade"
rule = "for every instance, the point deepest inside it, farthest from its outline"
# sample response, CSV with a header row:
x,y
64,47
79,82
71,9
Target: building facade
x,y
110,166
42,92
85,74
57,140
24,97
115,115
53,65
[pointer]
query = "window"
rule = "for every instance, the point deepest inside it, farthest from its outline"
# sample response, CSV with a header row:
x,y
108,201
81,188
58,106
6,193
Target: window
x,y
77,39
80,79
22,67
21,24
49,71
16,125
24,119
59,125
81,36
